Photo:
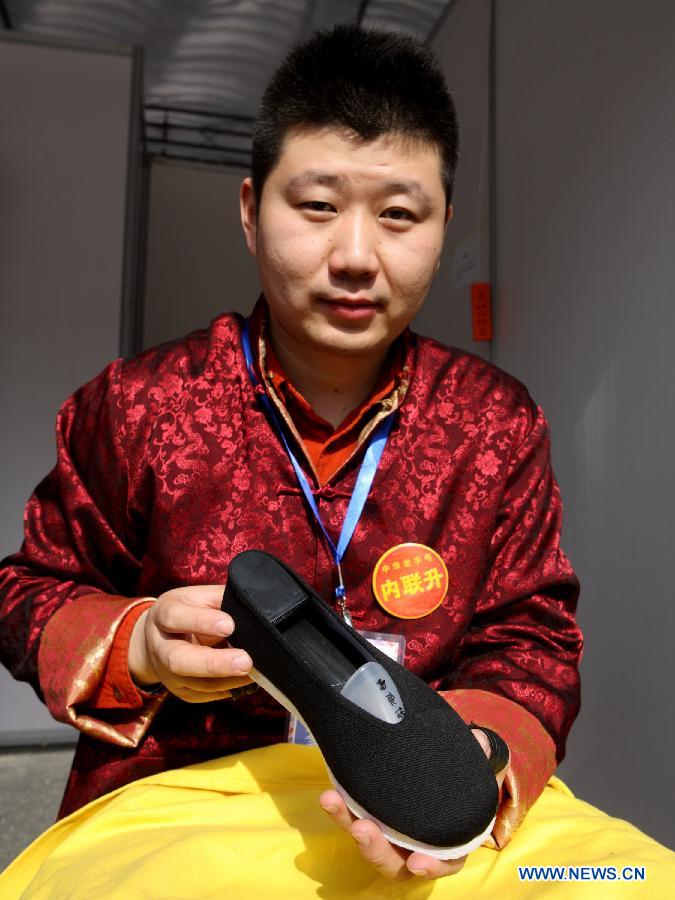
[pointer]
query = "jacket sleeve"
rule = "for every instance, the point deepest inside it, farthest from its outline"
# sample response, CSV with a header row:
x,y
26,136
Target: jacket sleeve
x,y
64,595
516,670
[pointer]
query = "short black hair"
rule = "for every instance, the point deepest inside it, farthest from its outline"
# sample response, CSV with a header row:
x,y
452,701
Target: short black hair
x,y
366,80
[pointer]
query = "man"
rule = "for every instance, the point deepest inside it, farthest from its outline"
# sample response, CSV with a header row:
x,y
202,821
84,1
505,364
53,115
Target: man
x,y
168,465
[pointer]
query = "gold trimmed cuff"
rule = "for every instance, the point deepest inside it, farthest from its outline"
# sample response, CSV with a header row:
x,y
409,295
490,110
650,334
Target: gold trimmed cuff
x,y
74,648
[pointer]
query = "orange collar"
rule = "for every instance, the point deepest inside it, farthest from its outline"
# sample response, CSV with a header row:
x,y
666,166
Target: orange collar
x,y
327,447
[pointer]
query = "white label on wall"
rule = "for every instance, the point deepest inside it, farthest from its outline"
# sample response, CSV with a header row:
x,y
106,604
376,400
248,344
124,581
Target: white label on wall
x,y
466,261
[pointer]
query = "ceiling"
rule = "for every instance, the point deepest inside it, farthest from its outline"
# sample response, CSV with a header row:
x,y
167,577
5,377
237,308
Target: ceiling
x,y
206,62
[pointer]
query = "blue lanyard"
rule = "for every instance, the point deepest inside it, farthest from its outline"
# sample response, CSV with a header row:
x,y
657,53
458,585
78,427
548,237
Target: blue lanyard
x,y
364,479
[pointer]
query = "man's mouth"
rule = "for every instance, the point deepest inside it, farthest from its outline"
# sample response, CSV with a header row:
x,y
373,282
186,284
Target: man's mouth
x,y
350,308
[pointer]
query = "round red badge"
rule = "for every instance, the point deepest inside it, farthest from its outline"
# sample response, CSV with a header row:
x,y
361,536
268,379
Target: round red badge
x,y
410,581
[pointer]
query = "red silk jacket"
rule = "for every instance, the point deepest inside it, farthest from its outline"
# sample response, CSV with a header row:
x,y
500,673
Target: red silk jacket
x,y
167,467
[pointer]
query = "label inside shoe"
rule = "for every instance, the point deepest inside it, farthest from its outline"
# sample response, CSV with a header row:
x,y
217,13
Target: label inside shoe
x,y
372,688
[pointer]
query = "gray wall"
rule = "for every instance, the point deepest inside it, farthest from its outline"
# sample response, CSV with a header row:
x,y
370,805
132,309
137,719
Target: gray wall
x,y
198,265
585,316
63,171
462,46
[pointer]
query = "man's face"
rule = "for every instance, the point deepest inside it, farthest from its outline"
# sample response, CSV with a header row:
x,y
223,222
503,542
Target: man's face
x,y
348,237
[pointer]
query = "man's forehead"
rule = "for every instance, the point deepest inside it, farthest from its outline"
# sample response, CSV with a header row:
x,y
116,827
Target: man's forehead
x,y
392,154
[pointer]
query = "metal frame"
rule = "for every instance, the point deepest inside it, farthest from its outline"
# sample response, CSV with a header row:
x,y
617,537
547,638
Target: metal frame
x,y
135,218
492,168
4,15
217,131
41,40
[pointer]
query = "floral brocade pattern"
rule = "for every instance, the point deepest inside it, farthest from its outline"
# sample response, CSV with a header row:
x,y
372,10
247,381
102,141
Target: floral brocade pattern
x,y
167,467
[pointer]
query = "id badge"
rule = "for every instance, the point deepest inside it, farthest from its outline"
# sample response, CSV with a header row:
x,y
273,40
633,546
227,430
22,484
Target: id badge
x,y
392,645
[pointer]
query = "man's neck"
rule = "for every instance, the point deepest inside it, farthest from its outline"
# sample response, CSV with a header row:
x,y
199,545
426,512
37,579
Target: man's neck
x,y
332,384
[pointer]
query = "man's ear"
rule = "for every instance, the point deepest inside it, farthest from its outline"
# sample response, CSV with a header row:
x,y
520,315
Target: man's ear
x,y
448,216
247,208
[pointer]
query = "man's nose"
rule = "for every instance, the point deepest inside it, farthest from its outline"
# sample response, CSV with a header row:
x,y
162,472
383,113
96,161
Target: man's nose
x,y
354,246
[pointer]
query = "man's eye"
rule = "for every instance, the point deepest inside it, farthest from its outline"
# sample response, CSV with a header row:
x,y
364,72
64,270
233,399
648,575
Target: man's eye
x,y
398,215
318,206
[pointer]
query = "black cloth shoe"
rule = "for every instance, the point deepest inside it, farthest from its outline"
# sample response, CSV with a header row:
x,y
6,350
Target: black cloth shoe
x,y
423,778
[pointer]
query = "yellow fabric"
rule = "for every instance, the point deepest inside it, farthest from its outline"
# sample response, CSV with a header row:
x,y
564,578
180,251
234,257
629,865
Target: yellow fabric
x,y
248,827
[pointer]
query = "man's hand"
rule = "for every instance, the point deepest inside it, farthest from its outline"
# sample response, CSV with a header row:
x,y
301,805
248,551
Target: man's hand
x,y
174,642
394,862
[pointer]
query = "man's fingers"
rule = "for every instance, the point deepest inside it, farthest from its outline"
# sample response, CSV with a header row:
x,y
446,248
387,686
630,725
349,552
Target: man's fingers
x,y
391,861
336,808
176,616
396,863
195,660
210,595
427,867
481,737
387,859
